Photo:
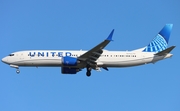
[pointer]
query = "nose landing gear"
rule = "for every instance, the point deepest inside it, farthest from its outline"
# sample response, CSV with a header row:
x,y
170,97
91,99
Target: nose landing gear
x,y
17,71
15,66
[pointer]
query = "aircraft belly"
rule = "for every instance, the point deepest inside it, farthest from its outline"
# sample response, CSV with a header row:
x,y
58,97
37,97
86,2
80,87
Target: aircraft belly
x,y
126,63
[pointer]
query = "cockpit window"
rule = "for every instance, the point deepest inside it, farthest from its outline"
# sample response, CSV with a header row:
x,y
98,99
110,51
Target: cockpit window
x,y
11,54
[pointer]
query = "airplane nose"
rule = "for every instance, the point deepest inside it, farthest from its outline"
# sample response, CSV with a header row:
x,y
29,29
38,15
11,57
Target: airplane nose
x,y
4,60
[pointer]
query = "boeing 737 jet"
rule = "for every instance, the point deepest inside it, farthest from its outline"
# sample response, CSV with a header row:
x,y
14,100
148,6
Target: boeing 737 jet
x,y
96,58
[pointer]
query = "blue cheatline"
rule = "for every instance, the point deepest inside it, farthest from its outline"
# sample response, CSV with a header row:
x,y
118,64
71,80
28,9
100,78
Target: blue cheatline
x,y
160,42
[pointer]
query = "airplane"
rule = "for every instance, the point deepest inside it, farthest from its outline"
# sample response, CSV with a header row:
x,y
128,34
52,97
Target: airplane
x,y
96,58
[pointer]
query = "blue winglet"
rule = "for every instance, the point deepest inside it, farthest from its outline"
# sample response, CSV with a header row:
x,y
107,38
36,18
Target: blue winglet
x,y
109,38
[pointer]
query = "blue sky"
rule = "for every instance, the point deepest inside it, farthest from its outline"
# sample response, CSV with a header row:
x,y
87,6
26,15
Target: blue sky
x,y
82,24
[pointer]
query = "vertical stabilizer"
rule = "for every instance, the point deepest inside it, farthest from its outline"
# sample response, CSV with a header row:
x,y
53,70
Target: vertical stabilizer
x,y
160,42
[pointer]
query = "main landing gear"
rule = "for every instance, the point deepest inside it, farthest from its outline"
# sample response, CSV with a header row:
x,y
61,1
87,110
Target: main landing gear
x,y
88,73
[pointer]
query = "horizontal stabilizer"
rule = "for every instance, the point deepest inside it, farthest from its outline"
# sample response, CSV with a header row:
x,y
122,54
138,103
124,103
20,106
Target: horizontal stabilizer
x,y
166,51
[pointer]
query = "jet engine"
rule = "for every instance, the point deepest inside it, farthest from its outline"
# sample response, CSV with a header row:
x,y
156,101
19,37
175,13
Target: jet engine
x,y
69,61
67,70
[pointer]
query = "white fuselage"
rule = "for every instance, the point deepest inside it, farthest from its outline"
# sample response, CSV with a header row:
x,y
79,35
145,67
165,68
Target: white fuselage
x,y
72,62
53,58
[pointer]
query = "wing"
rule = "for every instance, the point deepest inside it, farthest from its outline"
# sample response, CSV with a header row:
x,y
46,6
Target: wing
x,y
92,55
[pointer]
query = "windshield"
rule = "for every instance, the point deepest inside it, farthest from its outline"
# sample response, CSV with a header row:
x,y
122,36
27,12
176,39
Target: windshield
x,y
11,54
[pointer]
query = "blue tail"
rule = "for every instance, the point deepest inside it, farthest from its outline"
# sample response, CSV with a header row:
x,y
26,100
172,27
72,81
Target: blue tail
x,y
160,42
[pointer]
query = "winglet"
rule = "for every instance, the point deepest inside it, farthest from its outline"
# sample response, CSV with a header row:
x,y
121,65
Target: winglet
x,y
109,38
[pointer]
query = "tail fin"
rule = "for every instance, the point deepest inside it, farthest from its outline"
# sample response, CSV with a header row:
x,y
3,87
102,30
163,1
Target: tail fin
x,y
160,42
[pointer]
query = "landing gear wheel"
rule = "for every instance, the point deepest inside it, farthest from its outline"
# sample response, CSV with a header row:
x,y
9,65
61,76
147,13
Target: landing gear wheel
x,y
17,71
88,73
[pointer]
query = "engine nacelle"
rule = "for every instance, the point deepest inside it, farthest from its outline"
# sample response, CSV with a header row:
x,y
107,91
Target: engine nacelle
x,y
69,61
67,70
